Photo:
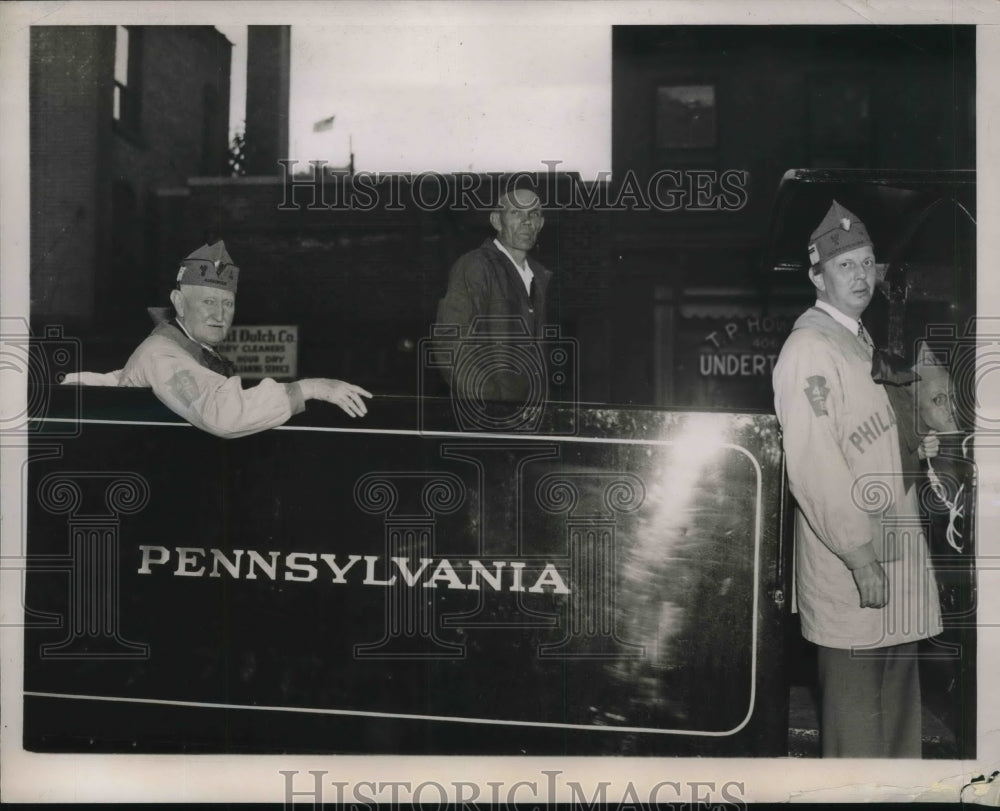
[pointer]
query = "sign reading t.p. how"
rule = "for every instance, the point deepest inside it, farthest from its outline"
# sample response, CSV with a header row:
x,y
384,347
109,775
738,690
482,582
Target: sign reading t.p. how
x,y
263,351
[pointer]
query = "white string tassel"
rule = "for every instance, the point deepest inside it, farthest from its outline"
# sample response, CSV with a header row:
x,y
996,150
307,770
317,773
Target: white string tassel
x,y
956,507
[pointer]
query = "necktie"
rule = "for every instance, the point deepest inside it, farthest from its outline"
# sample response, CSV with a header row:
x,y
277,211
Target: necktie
x,y
213,360
865,338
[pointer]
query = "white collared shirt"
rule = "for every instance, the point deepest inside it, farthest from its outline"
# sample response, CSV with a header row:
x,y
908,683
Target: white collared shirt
x,y
526,273
189,335
850,324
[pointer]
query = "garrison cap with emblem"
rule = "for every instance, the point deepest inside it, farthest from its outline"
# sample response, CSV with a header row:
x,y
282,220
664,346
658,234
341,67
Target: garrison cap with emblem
x,y
209,266
840,231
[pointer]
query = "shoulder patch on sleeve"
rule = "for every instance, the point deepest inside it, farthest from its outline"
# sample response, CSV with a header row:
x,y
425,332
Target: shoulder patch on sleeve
x,y
184,387
816,392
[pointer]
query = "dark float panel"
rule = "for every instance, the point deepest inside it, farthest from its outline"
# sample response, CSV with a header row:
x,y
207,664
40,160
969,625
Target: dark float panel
x,y
367,586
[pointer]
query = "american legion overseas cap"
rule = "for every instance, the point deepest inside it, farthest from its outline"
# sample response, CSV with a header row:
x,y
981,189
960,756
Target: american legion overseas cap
x,y
840,231
209,266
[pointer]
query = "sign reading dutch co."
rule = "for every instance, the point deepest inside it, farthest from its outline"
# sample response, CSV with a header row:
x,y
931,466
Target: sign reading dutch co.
x,y
263,351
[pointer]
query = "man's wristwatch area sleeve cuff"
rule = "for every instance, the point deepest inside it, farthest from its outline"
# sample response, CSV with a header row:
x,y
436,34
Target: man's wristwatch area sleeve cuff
x,y
295,395
859,556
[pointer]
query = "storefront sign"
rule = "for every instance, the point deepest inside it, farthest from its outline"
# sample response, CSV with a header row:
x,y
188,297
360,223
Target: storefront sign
x,y
263,351
743,347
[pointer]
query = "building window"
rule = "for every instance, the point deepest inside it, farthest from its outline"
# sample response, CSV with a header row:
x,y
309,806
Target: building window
x,y
685,116
125,104
840,124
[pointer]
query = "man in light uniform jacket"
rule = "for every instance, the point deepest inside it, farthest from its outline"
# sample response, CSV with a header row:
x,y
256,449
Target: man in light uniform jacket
x,y
864,584
179,363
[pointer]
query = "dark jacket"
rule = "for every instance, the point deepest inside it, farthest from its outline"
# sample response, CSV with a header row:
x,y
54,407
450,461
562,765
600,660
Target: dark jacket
x,y
497,352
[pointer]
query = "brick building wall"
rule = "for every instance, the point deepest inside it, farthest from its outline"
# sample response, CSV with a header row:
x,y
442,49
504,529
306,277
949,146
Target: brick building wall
x,y
183,69
92,177
70,109
182,132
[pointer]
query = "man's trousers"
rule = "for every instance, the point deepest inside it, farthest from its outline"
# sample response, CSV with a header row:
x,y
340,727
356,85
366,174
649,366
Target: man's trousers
x,y
870,702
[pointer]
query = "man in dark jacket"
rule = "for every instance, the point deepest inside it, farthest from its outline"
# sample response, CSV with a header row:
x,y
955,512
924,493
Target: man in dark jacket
x,y
496,304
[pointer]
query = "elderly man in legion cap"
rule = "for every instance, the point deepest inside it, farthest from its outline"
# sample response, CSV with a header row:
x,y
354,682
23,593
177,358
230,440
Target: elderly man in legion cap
x,y
864,586
179,363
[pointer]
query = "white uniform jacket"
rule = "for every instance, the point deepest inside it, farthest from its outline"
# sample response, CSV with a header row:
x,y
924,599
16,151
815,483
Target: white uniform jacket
x,y
208,400
842,454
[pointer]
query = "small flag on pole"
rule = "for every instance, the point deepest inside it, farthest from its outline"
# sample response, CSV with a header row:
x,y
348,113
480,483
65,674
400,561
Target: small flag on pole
x,y
324,125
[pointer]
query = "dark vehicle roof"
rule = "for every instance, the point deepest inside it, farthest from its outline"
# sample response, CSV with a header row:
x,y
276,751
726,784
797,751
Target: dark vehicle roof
x,y
892,204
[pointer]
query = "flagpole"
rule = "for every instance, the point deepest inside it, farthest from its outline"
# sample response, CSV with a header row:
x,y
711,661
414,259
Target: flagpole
x,y
324,125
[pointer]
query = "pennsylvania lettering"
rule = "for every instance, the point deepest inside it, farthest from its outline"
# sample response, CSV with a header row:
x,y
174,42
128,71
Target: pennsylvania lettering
x,y
367,570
